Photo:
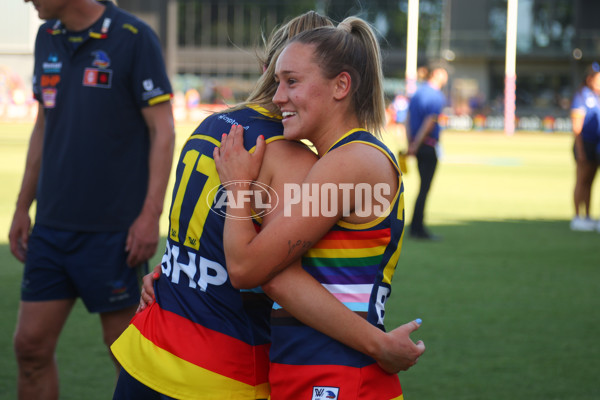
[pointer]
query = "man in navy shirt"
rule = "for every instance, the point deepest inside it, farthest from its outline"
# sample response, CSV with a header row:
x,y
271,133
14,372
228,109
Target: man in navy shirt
x,y
98,164
423,135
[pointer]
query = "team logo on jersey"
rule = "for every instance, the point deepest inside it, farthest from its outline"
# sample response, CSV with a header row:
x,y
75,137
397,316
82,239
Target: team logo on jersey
x,y
95,77
52,66
261,197
101,59
325,393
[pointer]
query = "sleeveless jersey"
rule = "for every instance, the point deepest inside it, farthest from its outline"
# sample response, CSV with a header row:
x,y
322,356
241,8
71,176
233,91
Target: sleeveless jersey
x,y
202,338
355,262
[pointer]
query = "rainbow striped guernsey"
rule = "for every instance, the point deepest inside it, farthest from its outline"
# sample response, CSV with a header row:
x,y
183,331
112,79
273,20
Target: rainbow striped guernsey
x,y
356,263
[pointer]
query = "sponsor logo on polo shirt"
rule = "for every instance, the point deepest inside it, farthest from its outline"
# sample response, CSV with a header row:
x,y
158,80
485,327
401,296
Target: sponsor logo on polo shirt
x,y
95,77
148,85
52,65
49,97
50,80
149,90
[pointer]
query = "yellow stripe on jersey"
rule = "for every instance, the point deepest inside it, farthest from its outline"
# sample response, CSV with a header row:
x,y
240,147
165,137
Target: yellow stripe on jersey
x,y
175,377
207,138
390,268
264,111
370,224
347,253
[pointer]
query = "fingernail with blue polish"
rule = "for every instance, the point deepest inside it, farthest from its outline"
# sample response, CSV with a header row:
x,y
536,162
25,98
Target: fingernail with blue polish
x,y
418,321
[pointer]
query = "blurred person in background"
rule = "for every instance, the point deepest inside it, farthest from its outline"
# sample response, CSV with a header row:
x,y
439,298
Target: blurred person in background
x,y
98,164
586,128
423,133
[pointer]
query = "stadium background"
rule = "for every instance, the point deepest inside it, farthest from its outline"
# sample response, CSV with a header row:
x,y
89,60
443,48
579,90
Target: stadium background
x,y
210,49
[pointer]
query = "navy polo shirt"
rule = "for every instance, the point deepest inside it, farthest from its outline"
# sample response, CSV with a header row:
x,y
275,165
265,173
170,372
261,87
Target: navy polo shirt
x,y
93,85
426,101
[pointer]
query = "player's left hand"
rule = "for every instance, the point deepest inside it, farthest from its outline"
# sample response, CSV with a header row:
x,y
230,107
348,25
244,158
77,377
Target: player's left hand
x,y
147,296
400,352
232,160
142,239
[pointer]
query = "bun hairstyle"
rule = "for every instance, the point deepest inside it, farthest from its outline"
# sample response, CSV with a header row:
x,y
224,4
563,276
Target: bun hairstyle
x,y
352,47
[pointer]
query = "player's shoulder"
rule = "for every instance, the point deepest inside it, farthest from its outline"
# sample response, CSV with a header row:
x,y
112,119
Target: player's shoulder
x,y
353,157
288,152
255,121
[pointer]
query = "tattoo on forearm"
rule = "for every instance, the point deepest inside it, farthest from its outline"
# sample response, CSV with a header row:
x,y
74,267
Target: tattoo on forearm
x,y
294,248
298,245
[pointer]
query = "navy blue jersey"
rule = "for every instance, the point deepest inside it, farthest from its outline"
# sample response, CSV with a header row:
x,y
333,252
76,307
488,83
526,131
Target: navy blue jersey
x,y
93,85
215,338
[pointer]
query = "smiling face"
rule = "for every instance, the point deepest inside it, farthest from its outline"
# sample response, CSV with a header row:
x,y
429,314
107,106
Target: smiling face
x,y
304,95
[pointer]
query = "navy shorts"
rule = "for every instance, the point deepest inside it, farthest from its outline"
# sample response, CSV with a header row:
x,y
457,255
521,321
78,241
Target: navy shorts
x,y
64,264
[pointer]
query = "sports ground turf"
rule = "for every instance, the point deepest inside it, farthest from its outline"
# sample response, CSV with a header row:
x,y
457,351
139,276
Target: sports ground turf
x,y
509,298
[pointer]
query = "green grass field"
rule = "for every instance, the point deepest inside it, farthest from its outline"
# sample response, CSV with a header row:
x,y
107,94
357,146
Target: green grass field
x,y
509,299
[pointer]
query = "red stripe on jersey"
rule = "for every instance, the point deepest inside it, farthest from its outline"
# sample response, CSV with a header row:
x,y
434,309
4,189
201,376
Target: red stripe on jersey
x,y
357,234
204,347
299,382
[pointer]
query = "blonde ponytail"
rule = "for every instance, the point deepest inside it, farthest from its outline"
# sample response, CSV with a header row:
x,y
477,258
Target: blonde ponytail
x,y
265,88
353,47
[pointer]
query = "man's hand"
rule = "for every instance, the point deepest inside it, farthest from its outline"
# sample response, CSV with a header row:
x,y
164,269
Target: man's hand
x,y
412,149
142,239
399,352
18,235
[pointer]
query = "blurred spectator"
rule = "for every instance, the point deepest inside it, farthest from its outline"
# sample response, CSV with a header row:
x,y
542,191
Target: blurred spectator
x,y
192,98
584,119
424,133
